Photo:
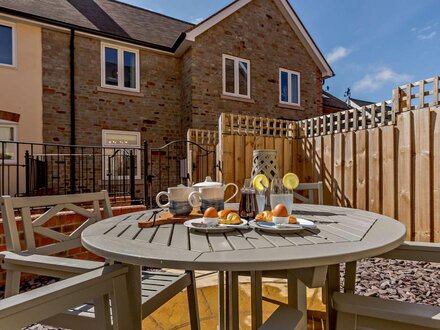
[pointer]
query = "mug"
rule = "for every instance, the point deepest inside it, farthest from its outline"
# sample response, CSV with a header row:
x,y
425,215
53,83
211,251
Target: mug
x,y
211,197
177,200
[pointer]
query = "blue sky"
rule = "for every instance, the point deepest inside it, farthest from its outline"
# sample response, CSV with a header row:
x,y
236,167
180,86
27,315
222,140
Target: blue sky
x,y
372,45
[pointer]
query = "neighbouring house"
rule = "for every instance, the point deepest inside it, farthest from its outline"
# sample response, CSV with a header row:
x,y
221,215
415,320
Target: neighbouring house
x,y
102,72
331,103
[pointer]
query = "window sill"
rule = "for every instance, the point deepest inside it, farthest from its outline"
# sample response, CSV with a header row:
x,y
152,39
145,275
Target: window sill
x,y
290,106
119,91
237,98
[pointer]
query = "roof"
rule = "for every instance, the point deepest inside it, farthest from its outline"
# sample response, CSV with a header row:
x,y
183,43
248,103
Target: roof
x,y
360,103
114,19
108,17
331,101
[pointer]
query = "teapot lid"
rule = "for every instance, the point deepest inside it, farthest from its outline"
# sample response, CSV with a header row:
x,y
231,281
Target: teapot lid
x,y
208,183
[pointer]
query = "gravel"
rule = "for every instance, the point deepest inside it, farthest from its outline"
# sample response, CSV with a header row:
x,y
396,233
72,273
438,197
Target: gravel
x,y
414,282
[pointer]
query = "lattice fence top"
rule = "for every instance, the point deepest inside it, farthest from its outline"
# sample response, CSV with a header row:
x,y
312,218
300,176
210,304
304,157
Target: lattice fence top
x,y
257,126
203,136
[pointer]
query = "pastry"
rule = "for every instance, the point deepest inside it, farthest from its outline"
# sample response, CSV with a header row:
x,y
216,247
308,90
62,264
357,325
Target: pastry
x,y
232,219
224,213
265,216
293,220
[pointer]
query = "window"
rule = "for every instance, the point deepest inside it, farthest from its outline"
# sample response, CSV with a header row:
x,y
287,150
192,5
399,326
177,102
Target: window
x,y
118,145
7,44
8,151
119,68
289,87
236,77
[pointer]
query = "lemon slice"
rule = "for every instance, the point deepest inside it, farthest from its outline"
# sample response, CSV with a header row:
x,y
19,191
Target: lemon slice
x,y
290,181
260,182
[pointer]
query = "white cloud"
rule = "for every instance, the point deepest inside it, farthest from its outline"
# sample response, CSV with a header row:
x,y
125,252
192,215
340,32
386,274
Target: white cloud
x,y
426,32
427,36
337,53
376,80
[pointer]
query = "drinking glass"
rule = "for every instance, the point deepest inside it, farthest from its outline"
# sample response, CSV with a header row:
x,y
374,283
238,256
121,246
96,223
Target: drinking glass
x,y
280,195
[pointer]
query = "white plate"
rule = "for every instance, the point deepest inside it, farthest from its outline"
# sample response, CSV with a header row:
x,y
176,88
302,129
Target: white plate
x,y
287,228
197,224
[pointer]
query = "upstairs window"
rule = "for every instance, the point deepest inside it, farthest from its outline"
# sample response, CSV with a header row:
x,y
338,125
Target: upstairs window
x,y
236,76
289,87
120,68
7,44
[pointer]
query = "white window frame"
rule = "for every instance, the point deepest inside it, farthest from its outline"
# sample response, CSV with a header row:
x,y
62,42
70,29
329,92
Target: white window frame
x,y
14,125
14,44
237,60
105,132
289,89
120,50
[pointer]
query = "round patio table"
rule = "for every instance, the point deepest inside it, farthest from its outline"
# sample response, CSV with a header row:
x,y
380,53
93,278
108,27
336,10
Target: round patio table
x,y
342,235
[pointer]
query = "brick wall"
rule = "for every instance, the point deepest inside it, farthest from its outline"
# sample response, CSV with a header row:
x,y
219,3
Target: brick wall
x,y
155,112
64,222
257,32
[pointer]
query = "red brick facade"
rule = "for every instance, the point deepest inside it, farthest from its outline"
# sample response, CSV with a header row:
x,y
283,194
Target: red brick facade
x,y
177,93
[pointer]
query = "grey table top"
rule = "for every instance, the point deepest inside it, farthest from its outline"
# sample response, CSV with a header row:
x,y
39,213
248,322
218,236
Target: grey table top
x,y
356,234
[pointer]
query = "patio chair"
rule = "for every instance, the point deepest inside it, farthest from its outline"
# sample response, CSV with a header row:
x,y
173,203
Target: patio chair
x,y
355,311
39,304
157,287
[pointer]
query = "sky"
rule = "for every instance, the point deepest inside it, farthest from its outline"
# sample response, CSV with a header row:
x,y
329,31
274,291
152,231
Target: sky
x,y
373,46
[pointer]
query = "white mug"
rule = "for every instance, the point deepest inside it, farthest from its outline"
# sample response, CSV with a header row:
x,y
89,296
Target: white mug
x,y
211,197
177,200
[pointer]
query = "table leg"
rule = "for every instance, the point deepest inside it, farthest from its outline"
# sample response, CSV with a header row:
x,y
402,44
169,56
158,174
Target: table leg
x,y
333,285
297,297
256,300
126,307
233,311
221,300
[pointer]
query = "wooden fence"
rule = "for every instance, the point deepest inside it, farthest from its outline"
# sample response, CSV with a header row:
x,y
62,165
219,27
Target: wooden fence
x,y
383,157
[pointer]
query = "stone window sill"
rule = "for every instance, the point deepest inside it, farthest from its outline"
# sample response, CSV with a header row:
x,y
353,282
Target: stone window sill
x,y
289,106
236,98
119,91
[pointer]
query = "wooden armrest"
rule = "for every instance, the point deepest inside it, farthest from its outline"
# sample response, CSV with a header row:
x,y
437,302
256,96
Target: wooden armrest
x,y
416,251
38,304
46,265
393,310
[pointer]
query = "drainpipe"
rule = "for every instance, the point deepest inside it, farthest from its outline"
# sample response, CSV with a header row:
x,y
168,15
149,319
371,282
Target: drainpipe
x,y
72,113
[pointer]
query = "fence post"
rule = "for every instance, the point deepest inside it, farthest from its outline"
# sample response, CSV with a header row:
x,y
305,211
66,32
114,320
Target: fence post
x,y
145,149
27,170
132,175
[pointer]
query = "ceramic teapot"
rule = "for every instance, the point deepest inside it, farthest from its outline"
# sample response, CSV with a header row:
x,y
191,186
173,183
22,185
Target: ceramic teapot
x,y
208,183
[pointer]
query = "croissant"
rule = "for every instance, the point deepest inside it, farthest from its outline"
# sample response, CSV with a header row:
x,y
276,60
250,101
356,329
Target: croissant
x,y
293,220
265,216
232,219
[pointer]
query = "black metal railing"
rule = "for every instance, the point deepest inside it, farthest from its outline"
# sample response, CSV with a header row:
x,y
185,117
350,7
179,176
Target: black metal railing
x,y
130,175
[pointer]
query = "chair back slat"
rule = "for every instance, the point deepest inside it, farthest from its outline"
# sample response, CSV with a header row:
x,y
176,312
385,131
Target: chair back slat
x,y
27,228
311,188
58,241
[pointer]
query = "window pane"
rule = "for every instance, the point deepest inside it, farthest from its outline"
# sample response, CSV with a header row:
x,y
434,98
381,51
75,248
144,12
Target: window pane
x,y
7,134
294,86
229,76
121,139
242,78
111,66
284,87
6,45
129,70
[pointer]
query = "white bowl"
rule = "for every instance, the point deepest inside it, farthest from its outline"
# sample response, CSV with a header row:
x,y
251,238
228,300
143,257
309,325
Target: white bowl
x,y
280,220
210,222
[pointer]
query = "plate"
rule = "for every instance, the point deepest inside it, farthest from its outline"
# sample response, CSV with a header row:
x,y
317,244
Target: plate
x,y
287,228
197,224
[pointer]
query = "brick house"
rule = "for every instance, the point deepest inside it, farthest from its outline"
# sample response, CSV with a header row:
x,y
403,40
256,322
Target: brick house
x,y
110,69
